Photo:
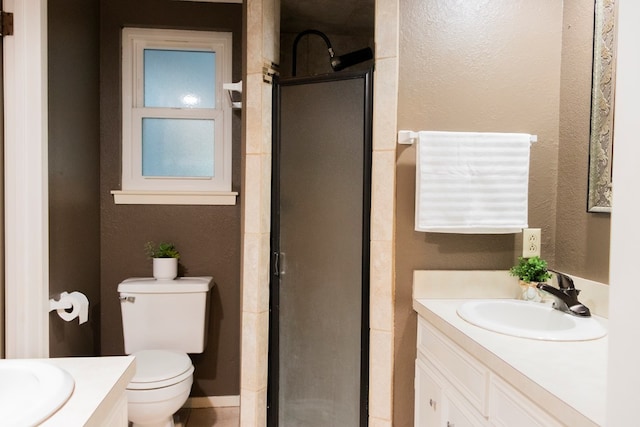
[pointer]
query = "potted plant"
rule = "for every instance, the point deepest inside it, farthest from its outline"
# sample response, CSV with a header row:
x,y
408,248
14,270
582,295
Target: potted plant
x,y
165,260
531,271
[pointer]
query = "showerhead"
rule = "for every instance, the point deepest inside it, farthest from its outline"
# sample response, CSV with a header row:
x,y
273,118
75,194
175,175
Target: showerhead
x,y
337,62
348,59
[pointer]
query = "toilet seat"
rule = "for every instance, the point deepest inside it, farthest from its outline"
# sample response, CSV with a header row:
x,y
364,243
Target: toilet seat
x,y
160,368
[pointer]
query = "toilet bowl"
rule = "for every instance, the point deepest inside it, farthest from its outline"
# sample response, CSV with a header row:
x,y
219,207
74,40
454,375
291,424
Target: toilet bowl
x,y
162,321
160,387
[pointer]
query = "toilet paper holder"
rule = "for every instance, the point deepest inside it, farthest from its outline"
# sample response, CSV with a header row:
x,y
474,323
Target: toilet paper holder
x,y
75,301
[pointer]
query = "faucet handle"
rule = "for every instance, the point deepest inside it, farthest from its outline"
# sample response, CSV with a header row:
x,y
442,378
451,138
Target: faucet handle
x,y
564,282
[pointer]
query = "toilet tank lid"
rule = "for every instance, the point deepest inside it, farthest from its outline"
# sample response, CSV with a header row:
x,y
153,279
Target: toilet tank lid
x,y
148,285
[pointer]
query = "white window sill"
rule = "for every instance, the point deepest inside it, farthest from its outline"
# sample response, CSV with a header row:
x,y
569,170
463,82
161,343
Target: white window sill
x,y
129,197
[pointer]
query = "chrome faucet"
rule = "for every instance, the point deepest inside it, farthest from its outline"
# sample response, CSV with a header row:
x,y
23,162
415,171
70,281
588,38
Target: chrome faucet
x,y
565,297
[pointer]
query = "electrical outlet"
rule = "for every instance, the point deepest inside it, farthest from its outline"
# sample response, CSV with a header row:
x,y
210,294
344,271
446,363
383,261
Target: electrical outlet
x,y
531,242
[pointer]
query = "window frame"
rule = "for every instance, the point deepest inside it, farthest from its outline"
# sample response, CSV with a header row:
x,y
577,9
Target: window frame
x,y
134,42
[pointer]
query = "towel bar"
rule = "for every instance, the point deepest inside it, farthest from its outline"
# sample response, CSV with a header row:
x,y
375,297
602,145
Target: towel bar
x,y
408,137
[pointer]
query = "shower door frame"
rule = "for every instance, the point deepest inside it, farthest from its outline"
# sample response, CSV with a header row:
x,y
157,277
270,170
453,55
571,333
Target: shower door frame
x,y
274,285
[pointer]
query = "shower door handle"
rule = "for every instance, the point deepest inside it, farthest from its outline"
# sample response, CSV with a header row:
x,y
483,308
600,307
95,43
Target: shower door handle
x,y
278,263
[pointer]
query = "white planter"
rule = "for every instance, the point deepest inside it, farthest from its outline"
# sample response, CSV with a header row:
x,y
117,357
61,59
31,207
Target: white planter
x,y
529,292
165,268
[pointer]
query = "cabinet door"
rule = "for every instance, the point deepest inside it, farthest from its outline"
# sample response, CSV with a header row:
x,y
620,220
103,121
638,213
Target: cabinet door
x,y
428,398
510,408
458,413
459,368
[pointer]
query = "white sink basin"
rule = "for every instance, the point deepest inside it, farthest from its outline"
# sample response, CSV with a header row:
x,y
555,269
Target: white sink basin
x,y
31,391
533,320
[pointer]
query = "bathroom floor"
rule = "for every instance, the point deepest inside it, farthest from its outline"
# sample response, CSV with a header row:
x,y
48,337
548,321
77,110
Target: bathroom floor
x,y
207,417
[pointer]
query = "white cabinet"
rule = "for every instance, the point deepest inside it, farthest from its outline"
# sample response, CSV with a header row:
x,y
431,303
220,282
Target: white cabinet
x,y
439,405
453,389
428,396
509,407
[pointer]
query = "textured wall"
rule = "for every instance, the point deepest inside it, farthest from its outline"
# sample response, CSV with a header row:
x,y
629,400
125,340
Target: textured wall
x,y
74,201
582,238
208,237
472,66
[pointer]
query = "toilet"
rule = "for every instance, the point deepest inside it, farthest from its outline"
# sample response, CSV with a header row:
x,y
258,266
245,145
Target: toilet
x,y
162,321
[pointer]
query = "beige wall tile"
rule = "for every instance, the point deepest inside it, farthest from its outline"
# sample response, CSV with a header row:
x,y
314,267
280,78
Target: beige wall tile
x,y
270,19
381,309
385,104
267,112
386,31
252,110
380,371
254,36
253,408
382,195
377,422
255,273
254,350
265,193
252,199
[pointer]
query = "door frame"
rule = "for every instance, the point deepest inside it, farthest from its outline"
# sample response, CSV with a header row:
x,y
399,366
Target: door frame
x,y
274,282
26,182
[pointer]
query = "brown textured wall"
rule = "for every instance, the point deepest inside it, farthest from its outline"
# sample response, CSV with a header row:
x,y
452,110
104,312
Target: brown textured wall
x,y
472,66
74,202
208,237
582,238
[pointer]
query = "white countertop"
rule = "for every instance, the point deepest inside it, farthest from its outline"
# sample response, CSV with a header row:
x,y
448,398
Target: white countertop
x,y
567,379
99,383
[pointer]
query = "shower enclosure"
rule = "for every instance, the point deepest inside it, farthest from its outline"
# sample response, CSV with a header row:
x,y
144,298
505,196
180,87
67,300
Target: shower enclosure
x,y
319,317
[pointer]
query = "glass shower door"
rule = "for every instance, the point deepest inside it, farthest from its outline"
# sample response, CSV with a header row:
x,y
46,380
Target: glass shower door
x,y
323,210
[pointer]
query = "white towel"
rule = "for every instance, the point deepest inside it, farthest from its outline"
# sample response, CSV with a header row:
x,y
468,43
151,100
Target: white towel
x,y
469,182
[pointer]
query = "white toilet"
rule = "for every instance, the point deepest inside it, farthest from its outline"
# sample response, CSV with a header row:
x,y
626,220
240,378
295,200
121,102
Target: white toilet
x,y
162,321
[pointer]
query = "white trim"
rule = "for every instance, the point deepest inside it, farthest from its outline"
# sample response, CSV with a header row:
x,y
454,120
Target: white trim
x,y
174,197
212,402
623,379
26,182
135,41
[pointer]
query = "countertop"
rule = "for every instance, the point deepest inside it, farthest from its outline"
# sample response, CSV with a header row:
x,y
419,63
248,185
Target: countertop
x,y
567,379
99,383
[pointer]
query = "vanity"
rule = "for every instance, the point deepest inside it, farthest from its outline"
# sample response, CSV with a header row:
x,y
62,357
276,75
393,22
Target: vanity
x,y
466,375
99,397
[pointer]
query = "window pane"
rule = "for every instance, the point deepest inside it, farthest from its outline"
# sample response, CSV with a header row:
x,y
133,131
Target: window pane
x,y
179,79
177,148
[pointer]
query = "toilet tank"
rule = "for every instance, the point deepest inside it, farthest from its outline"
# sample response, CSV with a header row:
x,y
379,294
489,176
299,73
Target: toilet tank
x,y
165,314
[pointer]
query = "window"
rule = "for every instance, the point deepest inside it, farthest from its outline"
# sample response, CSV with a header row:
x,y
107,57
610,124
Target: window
x,y
176,123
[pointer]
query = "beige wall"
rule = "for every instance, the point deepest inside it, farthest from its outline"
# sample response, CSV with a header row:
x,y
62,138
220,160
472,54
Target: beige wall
x,y
513,66
582,238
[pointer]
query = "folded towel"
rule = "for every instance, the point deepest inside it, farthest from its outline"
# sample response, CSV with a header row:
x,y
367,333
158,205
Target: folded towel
x,y
469,182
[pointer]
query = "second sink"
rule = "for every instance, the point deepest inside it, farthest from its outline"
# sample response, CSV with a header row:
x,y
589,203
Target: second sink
x,y
31,390
530,320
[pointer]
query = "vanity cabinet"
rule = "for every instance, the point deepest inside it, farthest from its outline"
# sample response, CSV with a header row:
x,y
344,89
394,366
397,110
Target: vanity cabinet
x,y
439,405
453,389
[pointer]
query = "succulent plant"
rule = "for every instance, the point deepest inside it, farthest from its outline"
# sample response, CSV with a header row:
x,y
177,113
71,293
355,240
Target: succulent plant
x,y
163,250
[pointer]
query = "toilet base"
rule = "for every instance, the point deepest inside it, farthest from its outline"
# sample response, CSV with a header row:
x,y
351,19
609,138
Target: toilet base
x,y
155,408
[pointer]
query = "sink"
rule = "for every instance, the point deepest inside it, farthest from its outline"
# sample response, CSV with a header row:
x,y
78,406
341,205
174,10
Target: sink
x,y
31,391
528,319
